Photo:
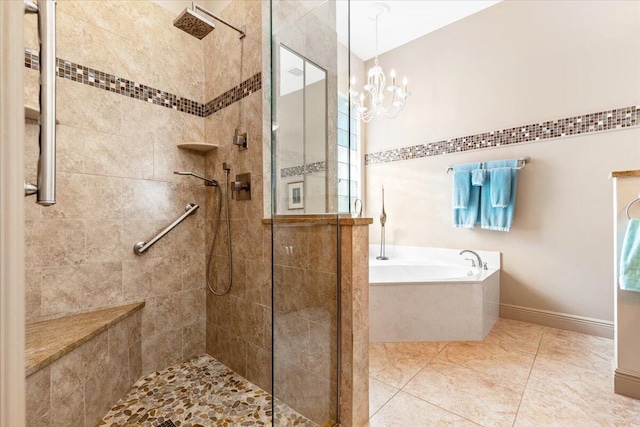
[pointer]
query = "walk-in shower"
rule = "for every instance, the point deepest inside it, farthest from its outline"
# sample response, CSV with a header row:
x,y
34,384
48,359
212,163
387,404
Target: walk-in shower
x,y
213,183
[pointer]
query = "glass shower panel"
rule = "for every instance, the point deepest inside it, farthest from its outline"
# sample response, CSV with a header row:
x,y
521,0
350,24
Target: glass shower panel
x,y
309,66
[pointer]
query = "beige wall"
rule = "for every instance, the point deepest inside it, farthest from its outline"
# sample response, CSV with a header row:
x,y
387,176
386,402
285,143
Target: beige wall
x,y
513,64
115,183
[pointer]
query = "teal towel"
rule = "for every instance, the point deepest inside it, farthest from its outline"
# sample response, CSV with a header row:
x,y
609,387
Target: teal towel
x,y
477,177
496,218
630,258
467,217
461,189
500,187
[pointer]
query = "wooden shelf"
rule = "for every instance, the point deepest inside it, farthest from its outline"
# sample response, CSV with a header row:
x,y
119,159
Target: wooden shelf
x,y
197,146
33,113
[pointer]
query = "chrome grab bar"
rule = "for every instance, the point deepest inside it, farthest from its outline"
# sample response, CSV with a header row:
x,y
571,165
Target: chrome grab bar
x,y
45,189
141,247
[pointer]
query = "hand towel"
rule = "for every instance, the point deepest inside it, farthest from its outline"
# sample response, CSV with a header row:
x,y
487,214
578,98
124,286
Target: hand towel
x,y
467,217
496,218
461,189
500,187
477,177
629,278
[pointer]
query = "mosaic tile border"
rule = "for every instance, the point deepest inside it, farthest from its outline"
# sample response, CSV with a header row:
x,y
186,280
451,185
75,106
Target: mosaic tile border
x,y
302,169
92,77
620,118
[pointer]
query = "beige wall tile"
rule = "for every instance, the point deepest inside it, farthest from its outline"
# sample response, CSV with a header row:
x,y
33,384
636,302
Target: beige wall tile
x,y
70,149
104,389
77,367
82,106
33,289
135,362
54,242
259,366
73,288
106,241
70,410
161,350
193,340
38,397
125,334
85,196
150,200
118,155
146,277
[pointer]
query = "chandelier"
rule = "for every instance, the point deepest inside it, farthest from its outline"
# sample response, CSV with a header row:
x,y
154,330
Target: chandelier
x,y
371,102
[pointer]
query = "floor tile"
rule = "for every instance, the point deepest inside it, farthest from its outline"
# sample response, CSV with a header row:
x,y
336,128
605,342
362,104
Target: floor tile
x,y
379,394
489,359
585,351
404,410
484,399
539,409
513,335
396,363
591,391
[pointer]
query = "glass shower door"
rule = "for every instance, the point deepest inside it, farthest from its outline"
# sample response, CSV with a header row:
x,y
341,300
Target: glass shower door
x,y
306,52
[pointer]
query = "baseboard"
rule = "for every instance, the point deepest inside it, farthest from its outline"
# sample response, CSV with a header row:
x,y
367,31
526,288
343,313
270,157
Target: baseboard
x,y
570,322
626,383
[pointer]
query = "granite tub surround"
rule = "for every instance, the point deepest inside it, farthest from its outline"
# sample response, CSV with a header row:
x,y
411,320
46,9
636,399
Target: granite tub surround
x,y
201,392
521,374
77,388
49,340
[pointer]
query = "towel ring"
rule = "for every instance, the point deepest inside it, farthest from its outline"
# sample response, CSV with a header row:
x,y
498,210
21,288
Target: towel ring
x,y
629,206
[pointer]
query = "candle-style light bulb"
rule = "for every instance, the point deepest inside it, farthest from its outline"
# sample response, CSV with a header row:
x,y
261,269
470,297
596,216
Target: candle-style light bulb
x,y
393,77
405,83
353,81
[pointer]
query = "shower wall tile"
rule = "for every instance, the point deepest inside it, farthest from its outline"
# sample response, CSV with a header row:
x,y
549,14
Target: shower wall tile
x,y
161,350
54,242
83,196
75,389
193,340
38,395
75,288
115,155
194,267
70,149
144,199
33,289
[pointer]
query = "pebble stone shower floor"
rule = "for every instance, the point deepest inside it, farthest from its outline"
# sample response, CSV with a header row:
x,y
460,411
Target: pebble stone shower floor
x,y
199,393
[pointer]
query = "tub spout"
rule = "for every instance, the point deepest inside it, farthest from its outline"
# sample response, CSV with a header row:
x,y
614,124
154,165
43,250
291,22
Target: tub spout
x,y
480,264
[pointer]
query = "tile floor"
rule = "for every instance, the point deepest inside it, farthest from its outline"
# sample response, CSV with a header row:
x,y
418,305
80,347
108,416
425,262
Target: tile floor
x,y
199,393
521,374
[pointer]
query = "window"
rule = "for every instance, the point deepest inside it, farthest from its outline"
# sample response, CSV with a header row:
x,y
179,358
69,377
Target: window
x,y
348,157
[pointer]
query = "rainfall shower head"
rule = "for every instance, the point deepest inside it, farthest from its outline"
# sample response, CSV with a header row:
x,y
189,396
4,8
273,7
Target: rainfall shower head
x,y
207,181
193,23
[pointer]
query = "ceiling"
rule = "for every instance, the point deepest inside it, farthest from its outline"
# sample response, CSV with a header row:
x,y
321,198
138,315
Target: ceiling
x,y
407,20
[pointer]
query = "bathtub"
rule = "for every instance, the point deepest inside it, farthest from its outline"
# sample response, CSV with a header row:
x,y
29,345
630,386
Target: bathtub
x,y
431,294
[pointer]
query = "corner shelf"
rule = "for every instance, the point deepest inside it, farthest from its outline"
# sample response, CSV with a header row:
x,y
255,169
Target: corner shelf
x,y
33,113
197,146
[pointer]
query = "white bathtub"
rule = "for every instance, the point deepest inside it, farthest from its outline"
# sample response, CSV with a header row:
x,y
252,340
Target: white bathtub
x,y
431,294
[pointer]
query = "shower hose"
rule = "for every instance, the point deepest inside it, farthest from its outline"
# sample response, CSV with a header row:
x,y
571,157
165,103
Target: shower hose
x,y
215,236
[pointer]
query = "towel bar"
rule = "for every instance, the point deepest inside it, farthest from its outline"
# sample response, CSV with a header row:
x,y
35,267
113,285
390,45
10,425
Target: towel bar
x,y
521,162
629,206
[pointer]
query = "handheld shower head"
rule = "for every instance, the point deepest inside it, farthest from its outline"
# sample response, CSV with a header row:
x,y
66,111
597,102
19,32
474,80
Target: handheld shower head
x,y
207,181
193,23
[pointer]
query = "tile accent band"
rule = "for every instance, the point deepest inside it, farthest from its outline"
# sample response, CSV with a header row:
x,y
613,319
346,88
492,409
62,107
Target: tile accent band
x,y
303,169
89,76
620,118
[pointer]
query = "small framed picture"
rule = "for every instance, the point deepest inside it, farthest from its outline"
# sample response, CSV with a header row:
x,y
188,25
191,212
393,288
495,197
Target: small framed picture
x,y
296,195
